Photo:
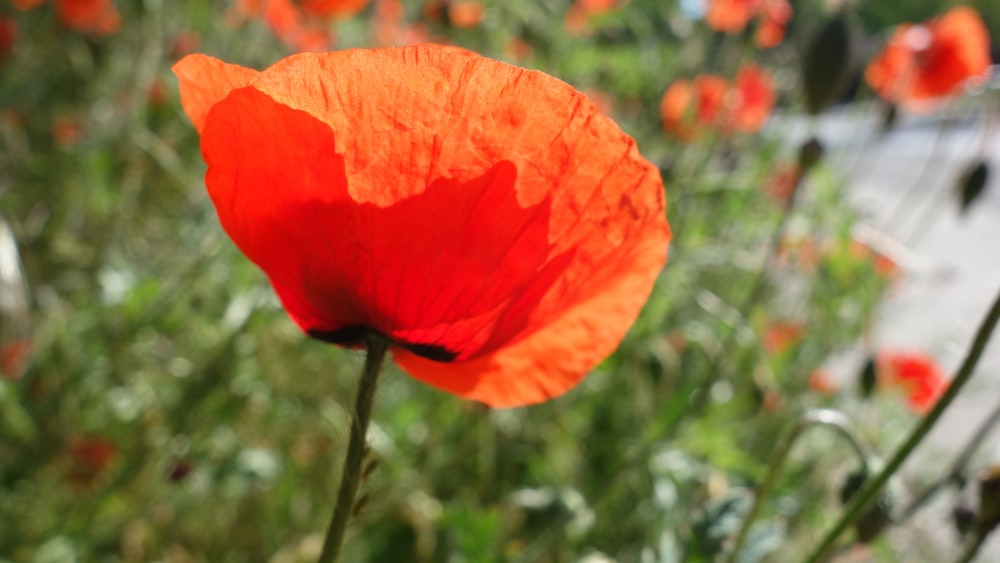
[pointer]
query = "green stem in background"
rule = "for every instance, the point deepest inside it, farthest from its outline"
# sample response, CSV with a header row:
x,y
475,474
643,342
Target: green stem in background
x,y
956,474
971,546
904,206
377,346
715,375
872,487
814,417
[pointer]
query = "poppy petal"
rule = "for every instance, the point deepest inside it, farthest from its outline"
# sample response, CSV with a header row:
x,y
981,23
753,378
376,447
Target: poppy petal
x,y
205,81
463,207
553,360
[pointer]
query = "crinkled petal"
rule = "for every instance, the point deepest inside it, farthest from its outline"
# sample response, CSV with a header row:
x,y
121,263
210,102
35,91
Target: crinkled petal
x,y
206,81
460,206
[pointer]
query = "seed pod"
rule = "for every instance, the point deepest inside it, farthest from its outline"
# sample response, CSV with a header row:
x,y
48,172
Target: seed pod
x,y
867,379
827,63
971,185
879,513
810,153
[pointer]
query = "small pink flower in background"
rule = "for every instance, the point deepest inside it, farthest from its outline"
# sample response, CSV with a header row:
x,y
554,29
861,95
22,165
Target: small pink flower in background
x,y
916,373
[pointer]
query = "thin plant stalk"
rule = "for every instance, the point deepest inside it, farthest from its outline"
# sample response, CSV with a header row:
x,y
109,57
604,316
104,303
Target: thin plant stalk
x,y
814,417
971,546
958,468
873,486
377,345
904,207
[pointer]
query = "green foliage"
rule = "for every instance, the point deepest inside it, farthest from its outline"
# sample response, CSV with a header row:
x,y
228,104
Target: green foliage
x,y
226,427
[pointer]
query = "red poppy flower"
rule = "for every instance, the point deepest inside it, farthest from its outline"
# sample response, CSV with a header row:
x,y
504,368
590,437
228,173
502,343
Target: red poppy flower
x,y
290,25
932,60
8,33
89,458
487,219
782,184
89,16
781,335
692,106
333,8
822,382
13,358
577,19
882,263
753,97
466,14
25,5
773,17
730,16
914,372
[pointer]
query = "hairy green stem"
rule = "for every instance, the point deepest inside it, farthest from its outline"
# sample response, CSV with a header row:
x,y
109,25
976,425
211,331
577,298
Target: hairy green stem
x,y
872,487
814,417
351,475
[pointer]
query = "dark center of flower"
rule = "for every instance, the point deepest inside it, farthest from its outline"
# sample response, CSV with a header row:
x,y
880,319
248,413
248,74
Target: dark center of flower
x,y
353,336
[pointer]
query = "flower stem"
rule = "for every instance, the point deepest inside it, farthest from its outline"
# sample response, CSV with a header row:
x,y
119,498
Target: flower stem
x,y
959,467
350,477
872,487
821,417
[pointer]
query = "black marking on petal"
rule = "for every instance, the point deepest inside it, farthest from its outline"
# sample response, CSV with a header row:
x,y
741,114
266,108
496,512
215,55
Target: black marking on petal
x,y
350,336
430,351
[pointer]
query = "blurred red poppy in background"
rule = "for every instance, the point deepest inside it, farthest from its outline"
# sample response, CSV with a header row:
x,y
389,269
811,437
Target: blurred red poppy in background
x,y
98,17
773,17
779,336
916,373
333,8
708,102
931,60
730,16
486,219
89,16
8,33
577,19
691,106
89,458
24,5
733,16
752,99
466,14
